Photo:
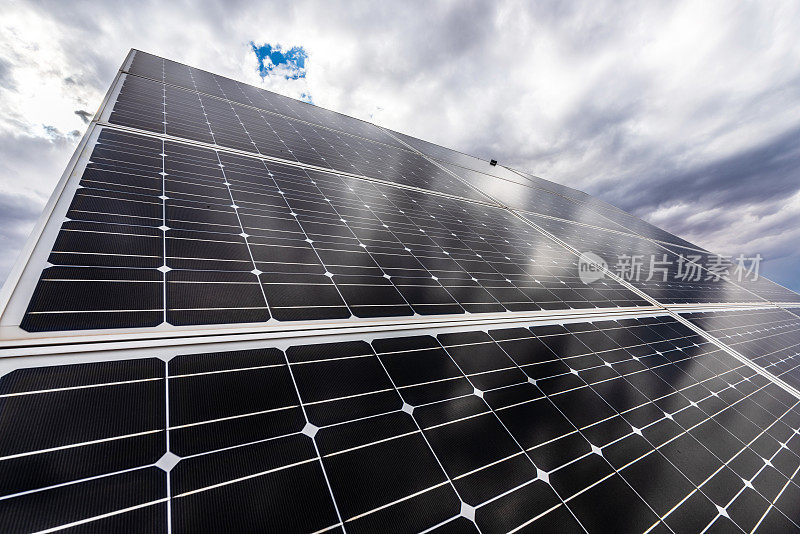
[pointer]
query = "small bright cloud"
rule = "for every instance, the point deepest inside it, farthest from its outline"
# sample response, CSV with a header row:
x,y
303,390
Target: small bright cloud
x,y
274,60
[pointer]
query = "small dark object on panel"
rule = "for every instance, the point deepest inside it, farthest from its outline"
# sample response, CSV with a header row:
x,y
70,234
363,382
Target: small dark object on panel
x,y
493,162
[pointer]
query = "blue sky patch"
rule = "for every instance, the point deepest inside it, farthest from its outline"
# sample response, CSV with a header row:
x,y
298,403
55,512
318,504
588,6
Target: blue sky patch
x,y
272,57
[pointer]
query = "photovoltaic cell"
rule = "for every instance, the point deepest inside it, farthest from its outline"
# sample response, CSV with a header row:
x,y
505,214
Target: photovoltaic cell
x,y
612,425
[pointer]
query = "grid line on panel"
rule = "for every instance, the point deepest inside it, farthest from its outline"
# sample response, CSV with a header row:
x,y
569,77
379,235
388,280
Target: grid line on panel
x,y
80,444
102,516
167,452
72,482
247,477
314,442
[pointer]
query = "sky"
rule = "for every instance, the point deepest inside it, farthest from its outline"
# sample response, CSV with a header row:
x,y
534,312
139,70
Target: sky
x,y
685,113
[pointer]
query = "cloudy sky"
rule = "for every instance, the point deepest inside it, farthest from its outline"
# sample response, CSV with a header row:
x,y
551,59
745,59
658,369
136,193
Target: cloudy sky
x,y
685,113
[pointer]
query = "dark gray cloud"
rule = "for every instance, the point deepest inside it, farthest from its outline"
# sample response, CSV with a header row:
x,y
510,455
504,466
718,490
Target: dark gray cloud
x,y
84,115
19,214
769,171
6,81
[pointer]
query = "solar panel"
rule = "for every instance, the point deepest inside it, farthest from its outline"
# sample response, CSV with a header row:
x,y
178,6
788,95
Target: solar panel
x,y
150,106
177,74
243,312
769,337
655,269
521,427
185,235
547,198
